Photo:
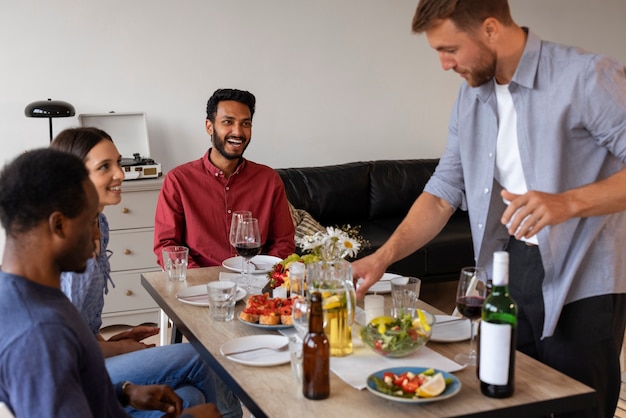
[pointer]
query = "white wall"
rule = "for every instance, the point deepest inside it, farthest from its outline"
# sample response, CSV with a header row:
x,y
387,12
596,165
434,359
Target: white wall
x,y
335,80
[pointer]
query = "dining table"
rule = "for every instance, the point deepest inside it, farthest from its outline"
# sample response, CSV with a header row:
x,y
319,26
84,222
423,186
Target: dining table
x,y
273,392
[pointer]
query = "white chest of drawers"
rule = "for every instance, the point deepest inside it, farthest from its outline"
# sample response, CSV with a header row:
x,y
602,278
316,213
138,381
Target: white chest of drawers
x,y
131,225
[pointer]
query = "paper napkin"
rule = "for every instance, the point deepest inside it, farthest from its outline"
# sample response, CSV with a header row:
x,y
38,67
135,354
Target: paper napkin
x,y
356,367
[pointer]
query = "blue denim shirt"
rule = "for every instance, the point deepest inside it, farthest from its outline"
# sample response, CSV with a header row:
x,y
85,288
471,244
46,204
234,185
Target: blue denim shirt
x,y
571,112
86,290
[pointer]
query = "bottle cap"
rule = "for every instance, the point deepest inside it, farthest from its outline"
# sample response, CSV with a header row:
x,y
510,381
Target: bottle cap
x,y
500,268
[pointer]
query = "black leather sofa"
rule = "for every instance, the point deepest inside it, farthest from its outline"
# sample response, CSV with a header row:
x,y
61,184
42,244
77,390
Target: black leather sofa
x,y
377,195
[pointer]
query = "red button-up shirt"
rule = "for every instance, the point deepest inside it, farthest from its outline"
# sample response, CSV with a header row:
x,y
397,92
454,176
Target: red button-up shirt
x,y
195,206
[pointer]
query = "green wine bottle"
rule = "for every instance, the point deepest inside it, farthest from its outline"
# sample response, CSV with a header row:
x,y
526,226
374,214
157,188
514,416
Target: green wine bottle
x,y
497,337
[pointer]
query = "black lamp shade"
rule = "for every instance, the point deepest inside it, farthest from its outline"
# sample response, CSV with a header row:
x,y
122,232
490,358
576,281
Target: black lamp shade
x,y
49,109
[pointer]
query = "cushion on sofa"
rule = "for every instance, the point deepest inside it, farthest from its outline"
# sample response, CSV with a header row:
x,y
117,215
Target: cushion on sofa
x,y
304,223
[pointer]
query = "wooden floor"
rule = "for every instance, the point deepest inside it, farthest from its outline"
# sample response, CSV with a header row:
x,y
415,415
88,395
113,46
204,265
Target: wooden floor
x,y
620,412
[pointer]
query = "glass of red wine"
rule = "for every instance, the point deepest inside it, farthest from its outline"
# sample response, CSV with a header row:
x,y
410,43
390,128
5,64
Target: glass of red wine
x,y
470,296
247,243
238,215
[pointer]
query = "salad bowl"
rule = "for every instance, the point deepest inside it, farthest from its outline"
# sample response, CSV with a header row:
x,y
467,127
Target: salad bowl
x,y
395,337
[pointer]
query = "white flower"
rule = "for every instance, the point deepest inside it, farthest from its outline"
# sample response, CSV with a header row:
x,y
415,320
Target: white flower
x,y
352,246
334,244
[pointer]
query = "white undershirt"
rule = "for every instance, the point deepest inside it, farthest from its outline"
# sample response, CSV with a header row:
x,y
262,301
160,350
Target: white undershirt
x,y
509,172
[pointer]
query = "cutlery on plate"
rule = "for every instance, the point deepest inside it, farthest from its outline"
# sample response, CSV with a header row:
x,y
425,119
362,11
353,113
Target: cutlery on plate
x,y
201,296
282,347
447,321
258,266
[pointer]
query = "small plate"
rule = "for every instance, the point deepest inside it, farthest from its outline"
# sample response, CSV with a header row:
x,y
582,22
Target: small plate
x,y
449,332
267,327
261,357
451,389
264,263
197,295
383,285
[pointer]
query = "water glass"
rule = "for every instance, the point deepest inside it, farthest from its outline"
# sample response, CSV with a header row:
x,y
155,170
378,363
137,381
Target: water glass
x,y
295,351
296,279
405,292
300,314
175,259
222,299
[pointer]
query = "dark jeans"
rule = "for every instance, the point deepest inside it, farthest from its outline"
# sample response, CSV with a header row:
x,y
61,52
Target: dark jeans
x,y
589,335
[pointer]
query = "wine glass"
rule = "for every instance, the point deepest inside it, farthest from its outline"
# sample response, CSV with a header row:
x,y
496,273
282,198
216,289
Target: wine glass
x,y
247,244
300,314
238,215
470,296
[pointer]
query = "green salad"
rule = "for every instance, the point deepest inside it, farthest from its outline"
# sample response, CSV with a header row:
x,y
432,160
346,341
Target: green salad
x,y
396,337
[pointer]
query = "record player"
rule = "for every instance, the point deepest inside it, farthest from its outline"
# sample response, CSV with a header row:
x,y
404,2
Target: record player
x,y
130,135
139,167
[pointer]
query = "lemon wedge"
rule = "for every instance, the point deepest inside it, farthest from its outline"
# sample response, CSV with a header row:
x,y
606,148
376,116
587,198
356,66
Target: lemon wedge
x,y
381,322
331,302
432,387
422,321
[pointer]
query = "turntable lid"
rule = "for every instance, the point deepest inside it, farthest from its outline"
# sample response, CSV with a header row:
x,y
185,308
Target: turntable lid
x,y
128,130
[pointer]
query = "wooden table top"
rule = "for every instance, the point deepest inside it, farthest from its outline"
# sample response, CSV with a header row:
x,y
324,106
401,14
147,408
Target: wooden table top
x,y
271,391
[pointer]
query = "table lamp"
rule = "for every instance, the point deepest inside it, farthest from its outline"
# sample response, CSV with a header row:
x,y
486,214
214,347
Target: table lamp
x,y
49,109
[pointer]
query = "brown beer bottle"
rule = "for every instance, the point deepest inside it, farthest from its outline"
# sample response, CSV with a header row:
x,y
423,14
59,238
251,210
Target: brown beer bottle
x,y
316,354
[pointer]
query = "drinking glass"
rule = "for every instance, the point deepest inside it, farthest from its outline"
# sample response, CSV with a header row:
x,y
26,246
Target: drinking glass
x,y
470,296
175,260
247,244
222,299
405,292
238,215
300,314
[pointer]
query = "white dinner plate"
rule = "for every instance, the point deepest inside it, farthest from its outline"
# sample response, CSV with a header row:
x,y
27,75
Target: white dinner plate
x,y
263,263
197,295
449,329
262,357
383,285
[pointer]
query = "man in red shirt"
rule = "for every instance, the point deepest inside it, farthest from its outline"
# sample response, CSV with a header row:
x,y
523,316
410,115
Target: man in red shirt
x,y
198,198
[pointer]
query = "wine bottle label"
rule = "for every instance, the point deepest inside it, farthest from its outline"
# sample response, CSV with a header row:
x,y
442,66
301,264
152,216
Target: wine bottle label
x,y
495,351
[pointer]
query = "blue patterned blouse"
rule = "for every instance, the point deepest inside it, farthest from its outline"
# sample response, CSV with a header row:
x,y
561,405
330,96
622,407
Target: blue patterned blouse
x,y
86,290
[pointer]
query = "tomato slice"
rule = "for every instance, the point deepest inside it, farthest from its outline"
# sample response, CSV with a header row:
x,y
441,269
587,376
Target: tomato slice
x,y
410,386
399,380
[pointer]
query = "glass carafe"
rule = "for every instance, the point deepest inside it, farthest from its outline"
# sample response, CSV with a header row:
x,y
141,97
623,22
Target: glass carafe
x,y
334,281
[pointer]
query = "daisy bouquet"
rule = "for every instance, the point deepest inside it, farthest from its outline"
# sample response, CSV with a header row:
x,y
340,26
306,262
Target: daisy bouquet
x,y
335,243
331,245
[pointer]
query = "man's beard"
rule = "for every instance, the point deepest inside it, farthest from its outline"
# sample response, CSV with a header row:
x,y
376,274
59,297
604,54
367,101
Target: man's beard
x,y
485,71
219,144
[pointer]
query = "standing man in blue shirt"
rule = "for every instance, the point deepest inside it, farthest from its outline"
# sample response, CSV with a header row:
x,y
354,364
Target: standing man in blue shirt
x,y
535,153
